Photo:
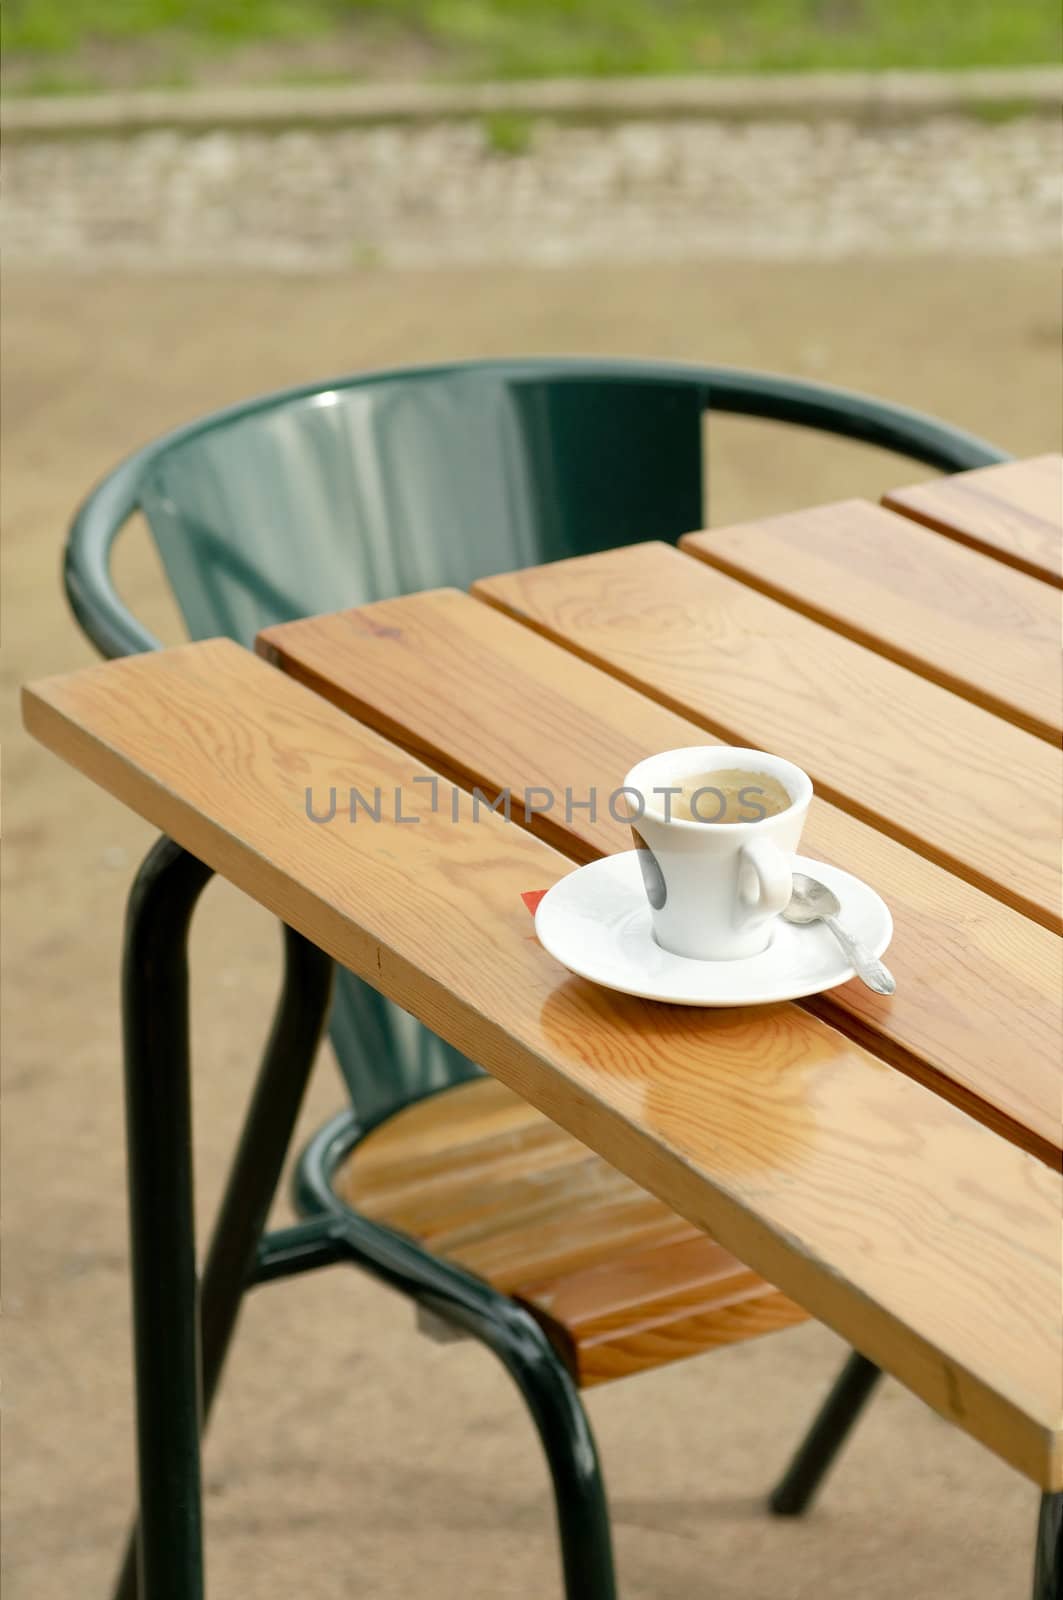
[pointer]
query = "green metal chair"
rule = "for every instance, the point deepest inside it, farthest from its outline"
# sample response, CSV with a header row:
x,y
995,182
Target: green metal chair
x,y
374,485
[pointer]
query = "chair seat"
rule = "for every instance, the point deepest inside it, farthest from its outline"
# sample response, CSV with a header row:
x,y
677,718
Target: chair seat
x,y
618,1281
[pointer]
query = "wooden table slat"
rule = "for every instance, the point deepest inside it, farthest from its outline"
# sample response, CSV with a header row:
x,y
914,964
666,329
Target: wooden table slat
x,y
975,626
491,703
959,785
924,1238
1013,512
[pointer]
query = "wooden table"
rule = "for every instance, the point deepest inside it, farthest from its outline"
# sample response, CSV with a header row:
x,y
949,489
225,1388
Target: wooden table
x,y
892,1164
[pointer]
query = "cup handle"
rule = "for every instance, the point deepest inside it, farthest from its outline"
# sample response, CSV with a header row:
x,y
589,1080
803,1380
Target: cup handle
x,y
765,882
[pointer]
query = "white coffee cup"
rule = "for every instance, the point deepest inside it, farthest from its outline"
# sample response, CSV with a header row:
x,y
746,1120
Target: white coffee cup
x,y
715,888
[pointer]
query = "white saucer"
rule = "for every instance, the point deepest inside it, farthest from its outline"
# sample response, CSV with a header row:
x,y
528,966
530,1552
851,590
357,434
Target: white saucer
x,y
596,922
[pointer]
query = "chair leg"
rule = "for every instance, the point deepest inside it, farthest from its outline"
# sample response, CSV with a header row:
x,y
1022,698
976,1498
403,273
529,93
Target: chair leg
x,y
568,1443
471,1307
156,992
467,1303
796,1489
1048,1559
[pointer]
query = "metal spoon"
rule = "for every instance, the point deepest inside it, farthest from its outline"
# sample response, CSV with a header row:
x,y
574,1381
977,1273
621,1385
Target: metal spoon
x,y
812,901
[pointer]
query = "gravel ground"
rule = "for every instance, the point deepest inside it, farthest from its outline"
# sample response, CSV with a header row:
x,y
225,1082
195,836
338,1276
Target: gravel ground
x,y
446,194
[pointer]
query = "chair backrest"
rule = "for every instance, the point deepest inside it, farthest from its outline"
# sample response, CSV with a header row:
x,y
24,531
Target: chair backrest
x,y
373,489
373,486
370,490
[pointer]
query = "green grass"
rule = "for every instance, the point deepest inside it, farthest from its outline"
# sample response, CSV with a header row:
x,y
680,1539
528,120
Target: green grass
x,y
537,38
508,133
64,25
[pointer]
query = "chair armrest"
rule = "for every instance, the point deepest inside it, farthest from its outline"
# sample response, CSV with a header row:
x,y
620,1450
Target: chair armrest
x,y
94,600
855,416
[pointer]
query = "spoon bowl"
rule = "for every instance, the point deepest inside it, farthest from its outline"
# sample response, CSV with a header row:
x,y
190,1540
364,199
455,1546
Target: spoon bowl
x,y
811,901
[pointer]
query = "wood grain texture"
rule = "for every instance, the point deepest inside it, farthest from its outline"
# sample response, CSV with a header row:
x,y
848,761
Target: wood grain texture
x,y
620,1282
926,1240
953,615
964,788
1013,512
647,1308
492,704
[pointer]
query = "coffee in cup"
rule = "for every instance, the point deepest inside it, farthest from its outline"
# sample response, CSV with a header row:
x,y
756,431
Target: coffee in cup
x,y
727,794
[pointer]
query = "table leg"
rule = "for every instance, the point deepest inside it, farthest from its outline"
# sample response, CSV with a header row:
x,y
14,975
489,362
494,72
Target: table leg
x,y
156,940
161,1222
1048,1559
296,1033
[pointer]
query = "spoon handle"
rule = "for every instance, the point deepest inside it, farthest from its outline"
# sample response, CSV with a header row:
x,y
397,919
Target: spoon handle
x,y
869,968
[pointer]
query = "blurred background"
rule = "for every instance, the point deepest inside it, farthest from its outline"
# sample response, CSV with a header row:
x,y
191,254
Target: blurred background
x,y
203,200
62,46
